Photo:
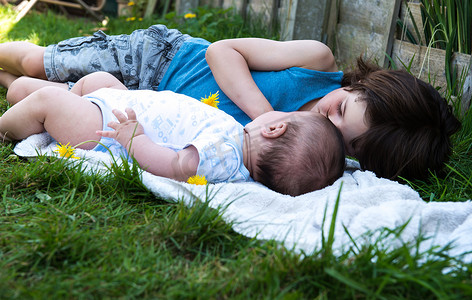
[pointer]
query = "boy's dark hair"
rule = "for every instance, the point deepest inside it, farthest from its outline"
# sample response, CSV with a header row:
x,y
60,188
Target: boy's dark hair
x,y
307,157
410,124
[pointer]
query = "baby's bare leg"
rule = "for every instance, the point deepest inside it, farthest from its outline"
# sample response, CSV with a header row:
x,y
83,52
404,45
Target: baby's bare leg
x,y
68,118
22,58
23,86
94,81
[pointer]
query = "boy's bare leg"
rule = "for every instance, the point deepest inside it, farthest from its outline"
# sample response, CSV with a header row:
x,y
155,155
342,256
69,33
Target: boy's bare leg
x,y
67,117
23,86
22,58
6,79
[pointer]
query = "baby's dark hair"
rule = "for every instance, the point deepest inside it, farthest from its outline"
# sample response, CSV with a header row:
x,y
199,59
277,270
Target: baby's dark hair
x,y
307,157
410,124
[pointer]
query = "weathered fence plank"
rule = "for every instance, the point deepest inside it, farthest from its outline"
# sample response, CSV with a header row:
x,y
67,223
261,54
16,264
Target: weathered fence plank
x,y
429,64
365,27
410,14
425,63
302,19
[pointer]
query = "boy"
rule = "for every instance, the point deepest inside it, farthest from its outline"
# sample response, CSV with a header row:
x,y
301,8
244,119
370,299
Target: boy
x,y
178,136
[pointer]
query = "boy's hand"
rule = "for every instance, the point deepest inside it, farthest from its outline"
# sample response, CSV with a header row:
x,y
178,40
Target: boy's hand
x,y
127,128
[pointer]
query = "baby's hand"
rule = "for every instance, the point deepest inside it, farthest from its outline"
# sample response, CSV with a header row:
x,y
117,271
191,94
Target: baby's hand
x,y
127,128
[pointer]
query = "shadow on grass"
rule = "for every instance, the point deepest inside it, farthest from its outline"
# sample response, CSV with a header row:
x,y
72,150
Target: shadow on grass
x,y
43,28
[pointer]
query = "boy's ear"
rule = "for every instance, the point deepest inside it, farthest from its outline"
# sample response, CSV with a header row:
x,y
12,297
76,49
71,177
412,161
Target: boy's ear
x,y
275,130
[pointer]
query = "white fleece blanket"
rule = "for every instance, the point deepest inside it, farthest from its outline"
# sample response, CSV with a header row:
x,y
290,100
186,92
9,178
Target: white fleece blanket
x,y
367,206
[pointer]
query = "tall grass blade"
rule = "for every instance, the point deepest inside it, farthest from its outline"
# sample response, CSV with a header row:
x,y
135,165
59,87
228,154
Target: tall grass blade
x,y
328,247
348,281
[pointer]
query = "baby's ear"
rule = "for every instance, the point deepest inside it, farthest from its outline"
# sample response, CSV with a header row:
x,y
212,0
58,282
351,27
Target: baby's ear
x,y
275,130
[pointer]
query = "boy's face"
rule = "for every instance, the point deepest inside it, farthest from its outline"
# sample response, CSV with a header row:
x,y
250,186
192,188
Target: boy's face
x,y
347,113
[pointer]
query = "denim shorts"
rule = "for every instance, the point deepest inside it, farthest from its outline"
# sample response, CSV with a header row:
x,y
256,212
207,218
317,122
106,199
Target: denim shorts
x,y
139,60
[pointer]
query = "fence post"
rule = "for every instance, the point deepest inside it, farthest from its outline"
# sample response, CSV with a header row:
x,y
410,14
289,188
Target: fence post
x,y
391,35
467,89
185,6
302,19
330,20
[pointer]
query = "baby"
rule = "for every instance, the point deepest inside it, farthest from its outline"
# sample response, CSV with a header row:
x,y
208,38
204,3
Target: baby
x,y
178,137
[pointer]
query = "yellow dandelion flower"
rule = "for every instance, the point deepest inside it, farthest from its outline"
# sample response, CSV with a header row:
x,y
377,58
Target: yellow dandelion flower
x,y
190,16
130,19
65,151
131,3
212,100
197,179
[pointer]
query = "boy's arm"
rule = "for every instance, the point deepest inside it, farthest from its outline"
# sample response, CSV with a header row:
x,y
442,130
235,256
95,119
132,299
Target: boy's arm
x,y
231,61
151,157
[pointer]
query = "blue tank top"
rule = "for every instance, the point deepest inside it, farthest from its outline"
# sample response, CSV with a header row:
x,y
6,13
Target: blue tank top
x,y
286,90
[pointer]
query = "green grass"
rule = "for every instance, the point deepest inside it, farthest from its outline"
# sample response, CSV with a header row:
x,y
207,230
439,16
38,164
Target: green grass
x,y
448,24
69,234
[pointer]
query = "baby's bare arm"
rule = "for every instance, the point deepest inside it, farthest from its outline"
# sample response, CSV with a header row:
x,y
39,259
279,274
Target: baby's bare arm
x,y
151,157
